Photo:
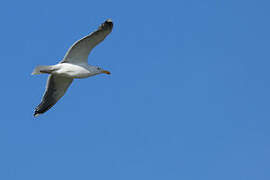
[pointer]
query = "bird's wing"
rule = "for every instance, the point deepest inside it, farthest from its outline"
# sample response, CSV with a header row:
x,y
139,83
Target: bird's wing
x,y
55,89
79,51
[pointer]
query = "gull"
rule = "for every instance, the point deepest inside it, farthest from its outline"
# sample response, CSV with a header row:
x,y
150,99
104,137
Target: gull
x,y
73,66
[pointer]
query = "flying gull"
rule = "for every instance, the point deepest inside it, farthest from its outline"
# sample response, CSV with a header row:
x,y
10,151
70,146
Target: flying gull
x,y
74,65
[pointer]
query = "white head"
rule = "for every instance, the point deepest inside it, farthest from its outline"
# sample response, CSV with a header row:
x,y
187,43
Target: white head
x,y
99,70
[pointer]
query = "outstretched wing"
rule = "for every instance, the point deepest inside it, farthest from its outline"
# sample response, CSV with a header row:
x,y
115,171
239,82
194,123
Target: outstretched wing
x,y
79,51
55,89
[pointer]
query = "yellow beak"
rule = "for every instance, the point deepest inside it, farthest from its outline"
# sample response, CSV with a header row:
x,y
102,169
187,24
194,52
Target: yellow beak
x,y
106,72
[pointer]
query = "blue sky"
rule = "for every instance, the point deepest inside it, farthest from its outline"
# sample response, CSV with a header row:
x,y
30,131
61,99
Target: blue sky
x,y
188,97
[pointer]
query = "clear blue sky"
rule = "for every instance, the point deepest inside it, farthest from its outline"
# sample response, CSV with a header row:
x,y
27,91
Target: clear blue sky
x,y
188,97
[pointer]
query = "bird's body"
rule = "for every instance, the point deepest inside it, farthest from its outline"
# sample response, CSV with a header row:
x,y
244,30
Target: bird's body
x,y
75,71
74,65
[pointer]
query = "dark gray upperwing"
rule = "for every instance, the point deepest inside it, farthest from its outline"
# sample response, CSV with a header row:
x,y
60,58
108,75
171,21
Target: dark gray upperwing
x,y
79,51
55,89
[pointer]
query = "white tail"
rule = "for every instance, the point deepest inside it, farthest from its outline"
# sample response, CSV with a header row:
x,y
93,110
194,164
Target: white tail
x,y
42,70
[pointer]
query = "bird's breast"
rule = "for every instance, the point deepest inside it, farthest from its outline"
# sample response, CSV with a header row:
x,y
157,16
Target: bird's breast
x,y
72,70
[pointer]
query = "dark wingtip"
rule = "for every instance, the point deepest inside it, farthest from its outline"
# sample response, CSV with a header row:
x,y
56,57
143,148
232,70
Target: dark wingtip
x,y
109,23
36,114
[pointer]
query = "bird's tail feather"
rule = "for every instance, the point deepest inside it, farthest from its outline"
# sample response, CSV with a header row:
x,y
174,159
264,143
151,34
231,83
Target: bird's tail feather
x,y
42,70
